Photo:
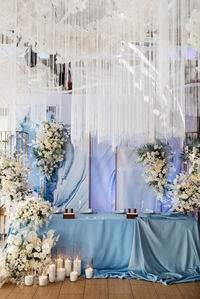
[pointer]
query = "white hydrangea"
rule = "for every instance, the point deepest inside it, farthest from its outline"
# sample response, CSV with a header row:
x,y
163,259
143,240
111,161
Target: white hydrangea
x,y
156,161
186,188
50,146
14,181
25,251
32,212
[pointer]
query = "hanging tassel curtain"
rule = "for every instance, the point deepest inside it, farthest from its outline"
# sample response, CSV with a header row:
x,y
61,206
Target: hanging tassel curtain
x,y
129,82
127,62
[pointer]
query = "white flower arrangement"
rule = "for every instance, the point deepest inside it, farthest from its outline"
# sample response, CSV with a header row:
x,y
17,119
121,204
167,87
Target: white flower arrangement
x,y
186,188
25,252
156,159
49,147
32,212
14,180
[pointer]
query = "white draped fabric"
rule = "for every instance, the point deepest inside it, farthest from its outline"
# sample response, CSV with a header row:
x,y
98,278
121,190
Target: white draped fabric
x,y
127,58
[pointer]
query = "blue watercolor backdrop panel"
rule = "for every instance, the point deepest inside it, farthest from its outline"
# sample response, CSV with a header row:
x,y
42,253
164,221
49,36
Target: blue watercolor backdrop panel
x,y
68,186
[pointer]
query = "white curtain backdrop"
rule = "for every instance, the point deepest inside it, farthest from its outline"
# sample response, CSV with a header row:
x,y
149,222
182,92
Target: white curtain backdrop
x,y
127,58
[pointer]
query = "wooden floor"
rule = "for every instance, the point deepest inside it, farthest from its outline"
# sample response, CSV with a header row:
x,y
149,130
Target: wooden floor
x,y
111,288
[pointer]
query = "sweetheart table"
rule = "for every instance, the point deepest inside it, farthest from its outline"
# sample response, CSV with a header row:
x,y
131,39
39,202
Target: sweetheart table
x,y
163,248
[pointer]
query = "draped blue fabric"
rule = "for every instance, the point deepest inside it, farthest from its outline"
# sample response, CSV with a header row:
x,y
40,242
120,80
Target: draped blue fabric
x,y
163,248
166,248
160,248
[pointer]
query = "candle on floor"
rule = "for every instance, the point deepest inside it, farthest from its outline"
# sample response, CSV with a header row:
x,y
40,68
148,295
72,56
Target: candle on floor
x,y
77,265
60,274
59,262
88,273
52,272
68,267
43,281
29,280
73,276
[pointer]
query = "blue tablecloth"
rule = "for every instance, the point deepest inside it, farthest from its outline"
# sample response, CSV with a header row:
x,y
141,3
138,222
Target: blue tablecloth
x,y
166,248
163,248
106,238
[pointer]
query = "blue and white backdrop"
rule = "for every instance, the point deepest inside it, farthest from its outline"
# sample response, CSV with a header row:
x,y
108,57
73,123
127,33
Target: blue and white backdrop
x,y
106,180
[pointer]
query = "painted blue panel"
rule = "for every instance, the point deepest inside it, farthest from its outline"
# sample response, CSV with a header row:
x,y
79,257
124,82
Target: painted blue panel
x,y
69,185
102,177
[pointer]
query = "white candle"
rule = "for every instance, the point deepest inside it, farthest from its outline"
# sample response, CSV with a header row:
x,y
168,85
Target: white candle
x,y
68,267
77,266
73,276
60,274
88,272
59,262
43,280
29,280
52,272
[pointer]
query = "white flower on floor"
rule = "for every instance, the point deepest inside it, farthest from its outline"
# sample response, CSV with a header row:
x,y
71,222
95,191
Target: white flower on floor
x,y
25,251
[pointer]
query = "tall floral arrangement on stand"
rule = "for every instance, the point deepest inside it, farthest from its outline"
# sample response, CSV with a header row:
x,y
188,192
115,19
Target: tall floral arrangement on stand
x,y
49,147
14,185
27,250
186,186
156,160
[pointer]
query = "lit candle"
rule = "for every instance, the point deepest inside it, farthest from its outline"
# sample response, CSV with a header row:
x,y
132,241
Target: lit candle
x,y
29,280
68,267
59,262
73,276
88,272
77,266
52,272
43,280
60,274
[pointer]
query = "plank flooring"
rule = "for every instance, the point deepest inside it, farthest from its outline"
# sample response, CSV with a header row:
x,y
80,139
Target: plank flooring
x,y
112,288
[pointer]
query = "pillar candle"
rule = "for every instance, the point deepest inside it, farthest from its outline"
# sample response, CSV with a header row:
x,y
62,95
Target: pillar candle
x,y
60,274
68,267
59,262
77,266
43,280
52,272
88,272
73,276
29,280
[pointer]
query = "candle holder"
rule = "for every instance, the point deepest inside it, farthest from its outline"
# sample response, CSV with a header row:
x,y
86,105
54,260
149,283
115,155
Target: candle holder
x,y
60,257
89,268
68,266
60,274
28,280
43,280
52,271
77,264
